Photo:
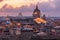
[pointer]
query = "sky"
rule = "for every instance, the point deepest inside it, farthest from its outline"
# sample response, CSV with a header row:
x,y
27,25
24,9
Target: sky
x,y
26,7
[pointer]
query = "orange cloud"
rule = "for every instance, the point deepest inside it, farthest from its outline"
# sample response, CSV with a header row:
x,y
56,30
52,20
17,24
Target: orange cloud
x,y
19,3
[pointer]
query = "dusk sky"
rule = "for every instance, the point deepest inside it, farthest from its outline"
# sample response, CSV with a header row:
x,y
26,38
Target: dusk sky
x,y
26,7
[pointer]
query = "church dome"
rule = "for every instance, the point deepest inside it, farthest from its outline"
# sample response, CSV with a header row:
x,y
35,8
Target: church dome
x,y
36,9
36,13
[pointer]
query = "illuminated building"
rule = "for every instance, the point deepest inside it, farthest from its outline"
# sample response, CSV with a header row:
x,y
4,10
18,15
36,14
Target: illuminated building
x,y
36,12
37,16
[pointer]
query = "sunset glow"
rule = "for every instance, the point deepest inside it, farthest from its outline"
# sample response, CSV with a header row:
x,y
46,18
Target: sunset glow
x,y
13,7
19,3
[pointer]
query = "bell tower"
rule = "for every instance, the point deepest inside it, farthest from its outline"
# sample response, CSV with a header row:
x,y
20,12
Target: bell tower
x,y
36,13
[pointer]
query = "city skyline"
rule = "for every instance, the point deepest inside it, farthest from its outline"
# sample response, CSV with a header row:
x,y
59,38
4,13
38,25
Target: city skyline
x,y
26,7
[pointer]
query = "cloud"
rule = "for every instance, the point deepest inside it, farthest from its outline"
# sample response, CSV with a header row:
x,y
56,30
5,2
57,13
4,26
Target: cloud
x,y
1,0
20,3
48,7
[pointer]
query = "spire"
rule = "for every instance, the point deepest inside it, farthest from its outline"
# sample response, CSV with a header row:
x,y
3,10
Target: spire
x,y
36,7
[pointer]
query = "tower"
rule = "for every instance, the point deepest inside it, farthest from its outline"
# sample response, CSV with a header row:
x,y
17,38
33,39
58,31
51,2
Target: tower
x,y
36,13
44,17
37,16
20,14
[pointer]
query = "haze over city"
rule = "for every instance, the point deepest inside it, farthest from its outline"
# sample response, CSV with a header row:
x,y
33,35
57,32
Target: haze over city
x,y
29,19
26,7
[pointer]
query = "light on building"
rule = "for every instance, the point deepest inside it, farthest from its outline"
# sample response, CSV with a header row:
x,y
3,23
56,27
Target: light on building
x,y
18,24
39,20
35,13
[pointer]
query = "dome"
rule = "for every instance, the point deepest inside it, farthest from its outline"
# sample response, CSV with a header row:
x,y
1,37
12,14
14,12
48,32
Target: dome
x,y
36,12
36,9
